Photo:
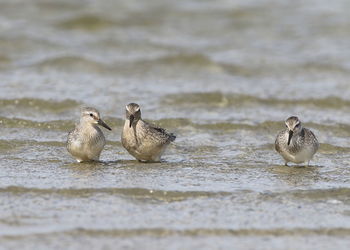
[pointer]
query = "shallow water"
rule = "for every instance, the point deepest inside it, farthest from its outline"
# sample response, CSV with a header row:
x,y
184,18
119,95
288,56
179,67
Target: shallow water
x,y
222,75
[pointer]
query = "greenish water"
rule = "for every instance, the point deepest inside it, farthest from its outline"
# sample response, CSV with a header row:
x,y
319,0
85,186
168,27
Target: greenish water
x,y
222,75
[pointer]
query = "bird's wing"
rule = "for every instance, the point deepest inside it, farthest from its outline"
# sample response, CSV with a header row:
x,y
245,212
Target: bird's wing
x,y
161,133
312,137
277,144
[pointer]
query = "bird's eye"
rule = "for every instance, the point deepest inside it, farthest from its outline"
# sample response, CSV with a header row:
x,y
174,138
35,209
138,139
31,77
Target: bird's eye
x,y
91,115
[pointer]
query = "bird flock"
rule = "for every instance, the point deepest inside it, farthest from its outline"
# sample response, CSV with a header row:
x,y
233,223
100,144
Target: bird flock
x,y
147,142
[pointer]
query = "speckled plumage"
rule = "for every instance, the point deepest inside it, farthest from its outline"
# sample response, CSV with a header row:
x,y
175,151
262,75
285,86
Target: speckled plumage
x,y
86,141
303,143
142,140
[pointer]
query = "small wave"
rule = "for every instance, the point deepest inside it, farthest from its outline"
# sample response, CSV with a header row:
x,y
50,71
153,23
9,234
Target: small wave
x,y
332,149
218,99
195,61
40,104
207,232
58,6
7,145
168,195
264,69
187,59
320,195
4,61
76,62
138,193
22,123
73,63
219,232
86,22
342,194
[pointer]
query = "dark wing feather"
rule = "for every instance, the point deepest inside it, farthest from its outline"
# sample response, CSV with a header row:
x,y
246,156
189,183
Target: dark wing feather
x,y
162,133
312,137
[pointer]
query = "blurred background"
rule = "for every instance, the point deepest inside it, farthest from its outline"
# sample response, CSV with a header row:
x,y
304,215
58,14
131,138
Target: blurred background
x,y
222,75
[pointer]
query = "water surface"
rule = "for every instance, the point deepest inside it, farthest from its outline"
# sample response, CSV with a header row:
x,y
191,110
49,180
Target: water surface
x,y
222,75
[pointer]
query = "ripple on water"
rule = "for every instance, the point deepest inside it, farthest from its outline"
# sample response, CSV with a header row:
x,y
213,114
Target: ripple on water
x,y
218,99
135,193
164,232
87,23
6,145
40,104
72,63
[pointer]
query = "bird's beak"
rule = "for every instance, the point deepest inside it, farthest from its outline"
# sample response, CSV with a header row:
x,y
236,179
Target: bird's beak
x,y
290,136
131,119
103,124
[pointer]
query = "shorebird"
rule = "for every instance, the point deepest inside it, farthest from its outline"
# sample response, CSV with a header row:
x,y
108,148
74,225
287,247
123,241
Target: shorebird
x,y
295,143
142,140
86,141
